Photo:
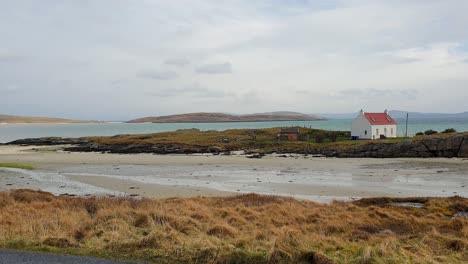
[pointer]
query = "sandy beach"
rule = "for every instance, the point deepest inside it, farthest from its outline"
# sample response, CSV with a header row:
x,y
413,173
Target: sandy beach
x,y
304,177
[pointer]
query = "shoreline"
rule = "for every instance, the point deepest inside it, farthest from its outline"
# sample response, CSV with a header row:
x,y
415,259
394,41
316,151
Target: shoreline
x,y
260,142
162,176
59,123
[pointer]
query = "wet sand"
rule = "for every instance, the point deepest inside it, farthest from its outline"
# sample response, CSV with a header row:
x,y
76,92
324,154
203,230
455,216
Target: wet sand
x,y
147,175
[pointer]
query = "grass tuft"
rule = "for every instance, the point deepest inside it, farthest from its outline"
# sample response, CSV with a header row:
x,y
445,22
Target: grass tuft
x,y
16,166
239,229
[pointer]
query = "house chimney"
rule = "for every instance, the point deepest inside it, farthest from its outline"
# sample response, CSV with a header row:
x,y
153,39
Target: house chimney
x,y
386,111
361,112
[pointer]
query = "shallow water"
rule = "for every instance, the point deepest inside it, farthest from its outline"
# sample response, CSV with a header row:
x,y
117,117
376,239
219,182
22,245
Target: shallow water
x,y
311,182
53,182
10,132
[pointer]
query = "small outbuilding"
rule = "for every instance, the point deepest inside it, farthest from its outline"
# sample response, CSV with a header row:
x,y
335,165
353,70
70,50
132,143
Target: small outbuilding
x,y
373,126
291,134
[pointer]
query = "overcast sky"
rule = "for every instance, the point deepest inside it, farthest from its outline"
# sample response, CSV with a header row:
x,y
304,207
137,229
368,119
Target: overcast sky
x,y
121,59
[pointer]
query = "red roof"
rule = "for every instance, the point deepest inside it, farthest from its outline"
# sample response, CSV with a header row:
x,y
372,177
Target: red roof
x,y
379,119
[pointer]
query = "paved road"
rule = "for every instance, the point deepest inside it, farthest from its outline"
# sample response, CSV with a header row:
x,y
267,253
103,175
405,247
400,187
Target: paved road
x,y
19,257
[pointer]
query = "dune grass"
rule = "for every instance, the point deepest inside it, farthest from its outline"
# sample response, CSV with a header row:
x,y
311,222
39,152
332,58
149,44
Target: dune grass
x,y
16,166
239,229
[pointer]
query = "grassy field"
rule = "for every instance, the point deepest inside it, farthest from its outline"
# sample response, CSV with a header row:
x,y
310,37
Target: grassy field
x,y
245,139
16,166
238,229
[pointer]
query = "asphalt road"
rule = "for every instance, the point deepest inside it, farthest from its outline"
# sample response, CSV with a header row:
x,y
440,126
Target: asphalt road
x,y
19,257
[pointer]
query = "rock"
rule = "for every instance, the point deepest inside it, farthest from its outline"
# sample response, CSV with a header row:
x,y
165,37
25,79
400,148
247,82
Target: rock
x,y
256,156
48,141
225,140
454,146
216,150
463,150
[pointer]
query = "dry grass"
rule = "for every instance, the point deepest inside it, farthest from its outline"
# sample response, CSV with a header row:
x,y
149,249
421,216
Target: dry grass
x,y
240,229
237,139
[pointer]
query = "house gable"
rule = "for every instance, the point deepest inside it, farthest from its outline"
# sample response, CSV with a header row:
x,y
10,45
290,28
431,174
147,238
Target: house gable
x,y
361,128
373,125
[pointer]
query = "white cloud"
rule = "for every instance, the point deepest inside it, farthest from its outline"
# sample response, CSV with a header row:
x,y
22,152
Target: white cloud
x,y
8,56
177,62
10,89
192,90
244,56
158,75
217,68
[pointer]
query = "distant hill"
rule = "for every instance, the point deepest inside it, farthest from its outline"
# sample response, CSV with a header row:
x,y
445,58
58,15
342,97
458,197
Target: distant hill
x,y
401,114
29,119
220,117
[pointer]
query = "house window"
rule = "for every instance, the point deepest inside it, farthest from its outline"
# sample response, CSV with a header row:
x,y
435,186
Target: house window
x,y
385,131
377,131
391,131
365,132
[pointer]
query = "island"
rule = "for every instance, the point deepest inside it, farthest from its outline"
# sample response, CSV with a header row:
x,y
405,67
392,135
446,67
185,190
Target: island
x,y
222,117
12,119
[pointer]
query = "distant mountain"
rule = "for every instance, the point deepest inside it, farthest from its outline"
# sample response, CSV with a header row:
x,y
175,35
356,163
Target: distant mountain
x,y
29,119
220,117
400,114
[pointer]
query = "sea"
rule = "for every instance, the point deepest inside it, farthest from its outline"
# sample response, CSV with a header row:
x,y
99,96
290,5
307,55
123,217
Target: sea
x,y
10,132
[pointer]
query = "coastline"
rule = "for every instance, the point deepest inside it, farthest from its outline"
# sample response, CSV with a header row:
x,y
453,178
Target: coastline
x,y
56,123
260,142
163,176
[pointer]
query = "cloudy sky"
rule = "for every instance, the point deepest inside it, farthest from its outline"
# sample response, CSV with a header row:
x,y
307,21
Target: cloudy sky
x,y
121,59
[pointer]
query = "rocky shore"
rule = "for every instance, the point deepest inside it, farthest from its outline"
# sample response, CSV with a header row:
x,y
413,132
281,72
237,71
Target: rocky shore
x,y
455,145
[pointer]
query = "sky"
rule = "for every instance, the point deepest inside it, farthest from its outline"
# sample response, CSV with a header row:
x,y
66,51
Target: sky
x,y
123,59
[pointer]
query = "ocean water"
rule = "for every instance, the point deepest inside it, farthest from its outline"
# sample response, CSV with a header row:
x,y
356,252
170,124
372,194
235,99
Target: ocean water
x,y
10,132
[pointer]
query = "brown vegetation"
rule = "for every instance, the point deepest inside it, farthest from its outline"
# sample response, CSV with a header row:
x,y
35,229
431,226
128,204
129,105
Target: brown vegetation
x,y
263,140
239,229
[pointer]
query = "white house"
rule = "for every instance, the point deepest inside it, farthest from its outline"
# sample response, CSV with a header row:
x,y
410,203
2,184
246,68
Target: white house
x,y
373,126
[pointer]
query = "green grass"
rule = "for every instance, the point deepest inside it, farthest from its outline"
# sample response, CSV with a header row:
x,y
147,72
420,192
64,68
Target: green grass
x,y
16,166
257,140
239,139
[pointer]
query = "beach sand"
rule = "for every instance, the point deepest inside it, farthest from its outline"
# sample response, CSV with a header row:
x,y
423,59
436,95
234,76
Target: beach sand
x,y
304,177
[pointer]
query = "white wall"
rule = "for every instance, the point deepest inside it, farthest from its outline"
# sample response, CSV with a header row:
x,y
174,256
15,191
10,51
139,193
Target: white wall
x,y
384,130
360,126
